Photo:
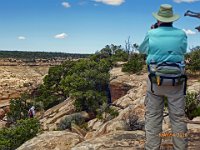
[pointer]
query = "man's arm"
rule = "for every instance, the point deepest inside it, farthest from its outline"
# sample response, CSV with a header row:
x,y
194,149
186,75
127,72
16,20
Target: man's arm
x,y
144,47
184,45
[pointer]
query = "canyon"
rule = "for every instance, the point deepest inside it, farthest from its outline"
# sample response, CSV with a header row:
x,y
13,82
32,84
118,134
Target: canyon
x,y
128,93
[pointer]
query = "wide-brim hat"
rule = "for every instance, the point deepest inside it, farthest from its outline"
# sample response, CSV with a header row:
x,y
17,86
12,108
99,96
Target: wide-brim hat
x,y
165,14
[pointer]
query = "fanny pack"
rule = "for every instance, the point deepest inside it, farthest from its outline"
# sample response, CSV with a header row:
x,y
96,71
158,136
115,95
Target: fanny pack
x,y
167,74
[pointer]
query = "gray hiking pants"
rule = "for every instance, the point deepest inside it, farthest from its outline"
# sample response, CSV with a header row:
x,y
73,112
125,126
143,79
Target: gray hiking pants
x,y
154,103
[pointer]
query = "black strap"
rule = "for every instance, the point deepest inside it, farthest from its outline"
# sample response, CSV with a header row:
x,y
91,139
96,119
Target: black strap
x,y
168,64
173,81
150,78
185,84
161,80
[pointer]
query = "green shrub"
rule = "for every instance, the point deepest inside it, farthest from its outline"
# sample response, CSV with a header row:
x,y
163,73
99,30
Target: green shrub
x,y
194,61
132,121
105,112
11,138
113,113
192,108
134,65
67,121
120,55
18,109
195,113
85,80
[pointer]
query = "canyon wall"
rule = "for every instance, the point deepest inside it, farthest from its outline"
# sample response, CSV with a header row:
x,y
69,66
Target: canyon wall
x,y
18,76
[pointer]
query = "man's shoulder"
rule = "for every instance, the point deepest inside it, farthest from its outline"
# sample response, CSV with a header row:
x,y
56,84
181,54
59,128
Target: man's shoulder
x,y
163,30
180,31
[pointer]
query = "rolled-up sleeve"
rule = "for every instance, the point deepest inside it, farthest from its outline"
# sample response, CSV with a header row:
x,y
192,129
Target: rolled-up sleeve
x,y
144,47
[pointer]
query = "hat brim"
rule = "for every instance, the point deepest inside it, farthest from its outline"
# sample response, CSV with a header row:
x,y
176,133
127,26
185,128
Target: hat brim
x,y
164,19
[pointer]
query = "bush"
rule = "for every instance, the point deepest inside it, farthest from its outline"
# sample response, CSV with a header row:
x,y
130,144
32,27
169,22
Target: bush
x,y
192,108
105,112
134,65
18,109
194,61
50,92
11,138
133,122
120,55
85,80
66,123
113,113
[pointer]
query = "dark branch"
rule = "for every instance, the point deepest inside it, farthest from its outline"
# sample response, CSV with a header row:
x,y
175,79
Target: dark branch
x,y
192,14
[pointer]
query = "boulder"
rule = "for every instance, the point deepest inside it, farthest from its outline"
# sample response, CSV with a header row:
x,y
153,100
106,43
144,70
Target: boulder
x,y
121,122
128,112
119,140
194,127
95,124
90,135
52,140
55,114
193,86
111,126
76,129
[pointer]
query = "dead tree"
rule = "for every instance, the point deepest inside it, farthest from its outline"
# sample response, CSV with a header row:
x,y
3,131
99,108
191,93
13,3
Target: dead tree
x,y
193,14
128,47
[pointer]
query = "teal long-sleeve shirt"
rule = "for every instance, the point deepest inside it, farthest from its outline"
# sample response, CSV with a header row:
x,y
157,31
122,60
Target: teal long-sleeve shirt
x,y
164,44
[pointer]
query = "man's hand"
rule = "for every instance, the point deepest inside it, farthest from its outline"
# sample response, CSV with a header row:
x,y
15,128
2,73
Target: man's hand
x,y
154,26
198,28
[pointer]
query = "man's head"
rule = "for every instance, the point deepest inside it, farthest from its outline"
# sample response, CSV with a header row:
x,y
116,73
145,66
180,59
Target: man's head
x,y
165,14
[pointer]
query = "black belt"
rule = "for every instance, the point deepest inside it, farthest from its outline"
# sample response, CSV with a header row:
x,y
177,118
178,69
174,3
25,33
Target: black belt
x,y
152,75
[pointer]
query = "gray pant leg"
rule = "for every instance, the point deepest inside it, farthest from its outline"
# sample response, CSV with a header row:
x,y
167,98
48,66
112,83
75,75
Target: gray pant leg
x,y
154,115
153,120
176,106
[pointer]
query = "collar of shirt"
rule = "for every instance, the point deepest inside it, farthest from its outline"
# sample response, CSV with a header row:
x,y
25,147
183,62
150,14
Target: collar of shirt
x,y
165,25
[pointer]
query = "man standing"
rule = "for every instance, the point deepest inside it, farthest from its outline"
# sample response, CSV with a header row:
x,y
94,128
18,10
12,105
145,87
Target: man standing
x,y
165,47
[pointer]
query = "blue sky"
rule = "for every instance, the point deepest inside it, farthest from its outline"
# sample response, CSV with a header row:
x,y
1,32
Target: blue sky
x,y
84,26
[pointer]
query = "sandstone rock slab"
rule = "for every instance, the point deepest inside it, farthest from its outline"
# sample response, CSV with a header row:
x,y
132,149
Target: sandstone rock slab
x,y
53,140
121,140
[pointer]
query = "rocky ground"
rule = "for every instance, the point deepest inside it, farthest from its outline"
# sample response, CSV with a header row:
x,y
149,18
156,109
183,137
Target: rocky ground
x,y
128,92
15,80
18,76
108,134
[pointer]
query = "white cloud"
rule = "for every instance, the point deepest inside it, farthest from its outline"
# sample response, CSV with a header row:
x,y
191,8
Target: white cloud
x,y
189,32
185,1
111,2
66,4
61,36
21,38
